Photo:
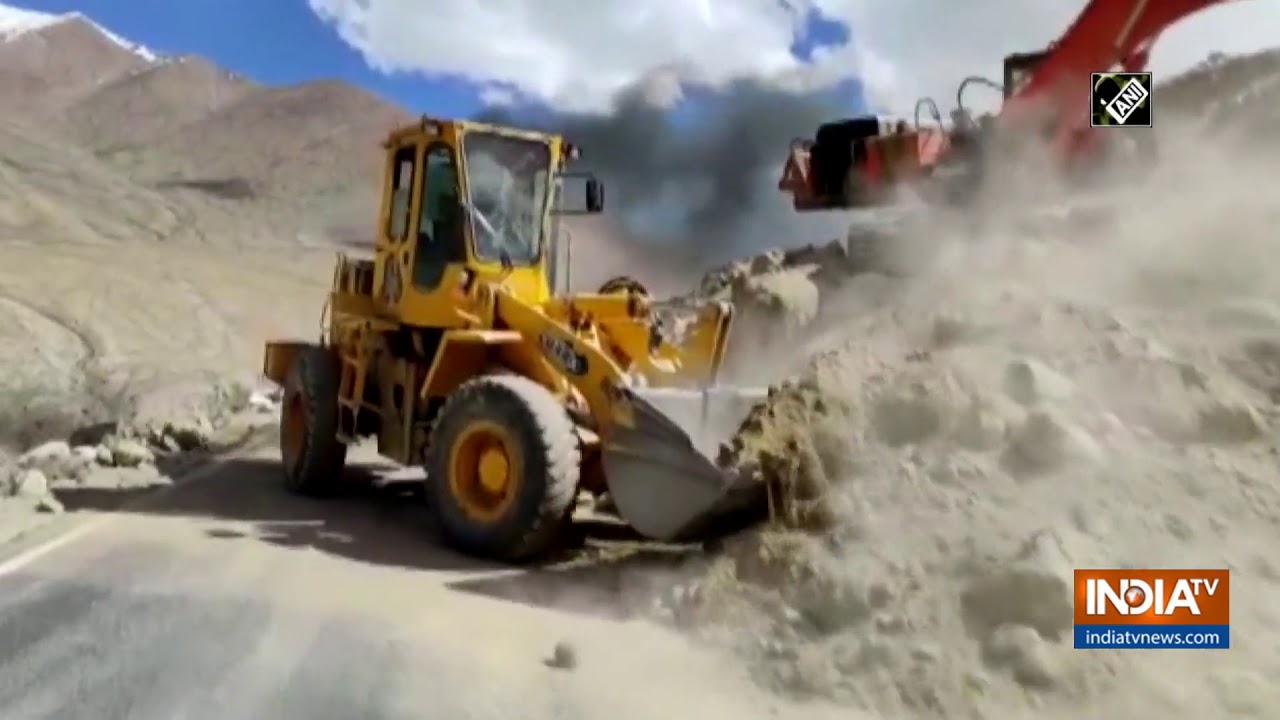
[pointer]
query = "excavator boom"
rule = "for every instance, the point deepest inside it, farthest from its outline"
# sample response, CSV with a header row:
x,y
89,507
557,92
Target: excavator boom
x,y
1108,35
863,161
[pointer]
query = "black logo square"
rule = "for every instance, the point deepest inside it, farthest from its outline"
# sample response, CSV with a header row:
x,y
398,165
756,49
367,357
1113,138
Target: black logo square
x,y
1120,100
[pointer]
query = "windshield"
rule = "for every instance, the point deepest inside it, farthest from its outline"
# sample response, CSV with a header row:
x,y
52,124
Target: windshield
x,y
508,182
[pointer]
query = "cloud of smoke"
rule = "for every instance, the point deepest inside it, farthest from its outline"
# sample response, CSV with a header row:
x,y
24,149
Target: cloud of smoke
x,y
707,186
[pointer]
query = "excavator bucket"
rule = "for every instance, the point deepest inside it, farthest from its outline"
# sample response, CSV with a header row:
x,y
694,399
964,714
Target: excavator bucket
x,y
661,469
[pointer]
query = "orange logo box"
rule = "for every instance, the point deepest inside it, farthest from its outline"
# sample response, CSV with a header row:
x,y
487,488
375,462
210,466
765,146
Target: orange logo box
x,y
1152,597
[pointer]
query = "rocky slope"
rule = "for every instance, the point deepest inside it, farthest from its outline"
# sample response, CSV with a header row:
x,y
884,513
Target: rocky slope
x,y
47,64
137,107
261,161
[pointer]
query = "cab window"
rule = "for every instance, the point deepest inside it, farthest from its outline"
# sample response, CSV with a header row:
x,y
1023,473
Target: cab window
x,y
439,197
439,227
509,180
403,172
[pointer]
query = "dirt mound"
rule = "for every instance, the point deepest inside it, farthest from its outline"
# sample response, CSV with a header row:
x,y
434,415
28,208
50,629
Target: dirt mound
x,y
931,501
1030,404
784,302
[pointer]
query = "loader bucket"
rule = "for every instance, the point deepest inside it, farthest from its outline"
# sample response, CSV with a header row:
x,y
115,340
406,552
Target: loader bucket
x,y
661,471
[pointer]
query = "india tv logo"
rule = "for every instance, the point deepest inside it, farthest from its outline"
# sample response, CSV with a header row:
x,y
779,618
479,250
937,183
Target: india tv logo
x,y
1152,609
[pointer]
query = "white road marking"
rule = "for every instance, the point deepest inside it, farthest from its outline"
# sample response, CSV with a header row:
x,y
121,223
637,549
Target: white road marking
x,y
93,524
33,554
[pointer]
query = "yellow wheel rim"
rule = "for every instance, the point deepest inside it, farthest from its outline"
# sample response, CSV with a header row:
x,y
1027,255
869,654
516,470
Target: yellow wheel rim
x,y
484,470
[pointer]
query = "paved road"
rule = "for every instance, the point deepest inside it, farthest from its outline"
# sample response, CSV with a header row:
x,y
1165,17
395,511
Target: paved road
x,y
227,599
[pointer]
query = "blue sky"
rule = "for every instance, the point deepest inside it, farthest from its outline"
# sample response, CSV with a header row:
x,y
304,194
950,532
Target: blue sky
x,y
283,42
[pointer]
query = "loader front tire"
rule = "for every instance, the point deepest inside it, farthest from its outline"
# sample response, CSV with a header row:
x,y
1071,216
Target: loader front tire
x,y
503,466
310,451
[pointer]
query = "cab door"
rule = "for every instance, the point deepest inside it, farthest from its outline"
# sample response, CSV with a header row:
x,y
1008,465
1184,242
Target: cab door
x,y
440,237
401,203
432,256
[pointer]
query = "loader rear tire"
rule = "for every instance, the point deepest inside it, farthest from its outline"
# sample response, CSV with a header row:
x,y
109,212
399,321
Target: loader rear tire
x,y
515,425
312,456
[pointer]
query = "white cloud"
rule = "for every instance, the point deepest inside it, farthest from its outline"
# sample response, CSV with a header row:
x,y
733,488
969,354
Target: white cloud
x,y
577,55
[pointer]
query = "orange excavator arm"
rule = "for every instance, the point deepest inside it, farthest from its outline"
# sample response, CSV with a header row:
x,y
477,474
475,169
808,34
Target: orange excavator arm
x,y
1114,35
1048,96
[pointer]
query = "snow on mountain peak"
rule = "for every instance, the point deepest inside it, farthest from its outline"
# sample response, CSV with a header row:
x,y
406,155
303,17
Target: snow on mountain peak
x,y
16,21
140,50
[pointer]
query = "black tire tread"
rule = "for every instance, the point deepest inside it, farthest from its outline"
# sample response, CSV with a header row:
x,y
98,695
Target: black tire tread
x,y
319,471
550,431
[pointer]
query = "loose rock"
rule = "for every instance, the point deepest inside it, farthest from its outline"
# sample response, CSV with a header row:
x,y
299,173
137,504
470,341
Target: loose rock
x,y
131,453
31,483
1022,650
49,454
564,656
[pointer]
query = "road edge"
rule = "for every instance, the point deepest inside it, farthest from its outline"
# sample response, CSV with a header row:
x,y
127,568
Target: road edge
x,y
44,539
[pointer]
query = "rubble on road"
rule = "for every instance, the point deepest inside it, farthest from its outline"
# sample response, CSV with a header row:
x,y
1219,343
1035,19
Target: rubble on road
x,y
131,455
912,479
1033,408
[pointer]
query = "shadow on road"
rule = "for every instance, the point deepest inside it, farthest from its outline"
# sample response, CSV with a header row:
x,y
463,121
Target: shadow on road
x,y
245,499
616,583
603,569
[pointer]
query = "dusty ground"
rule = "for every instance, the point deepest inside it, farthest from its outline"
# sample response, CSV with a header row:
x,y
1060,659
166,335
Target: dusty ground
x,y
227,598
1041,396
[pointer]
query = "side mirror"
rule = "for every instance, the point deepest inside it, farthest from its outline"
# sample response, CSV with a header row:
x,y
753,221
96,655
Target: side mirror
x,y
595,196
567,196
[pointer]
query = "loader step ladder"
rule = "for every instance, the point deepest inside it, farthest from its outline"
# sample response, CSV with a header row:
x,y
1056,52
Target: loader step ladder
x,y
353,373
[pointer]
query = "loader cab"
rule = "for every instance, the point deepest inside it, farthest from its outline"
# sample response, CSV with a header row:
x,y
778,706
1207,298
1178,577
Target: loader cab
x,y
464,201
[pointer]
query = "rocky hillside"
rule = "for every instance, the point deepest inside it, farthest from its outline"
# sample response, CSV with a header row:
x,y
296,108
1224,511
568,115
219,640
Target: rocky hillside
x,y
136,108
212,141
47,64
293,143
1236,95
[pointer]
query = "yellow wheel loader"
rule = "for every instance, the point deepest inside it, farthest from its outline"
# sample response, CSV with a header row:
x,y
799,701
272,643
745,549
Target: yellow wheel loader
x,y
453,349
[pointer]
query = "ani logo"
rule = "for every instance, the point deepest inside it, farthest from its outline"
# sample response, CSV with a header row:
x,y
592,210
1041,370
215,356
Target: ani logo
x,y
1120,100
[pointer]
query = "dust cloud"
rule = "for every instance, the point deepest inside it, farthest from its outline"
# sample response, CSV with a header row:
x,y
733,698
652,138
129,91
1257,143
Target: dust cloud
x,y
704,187
1088,383
1078,380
